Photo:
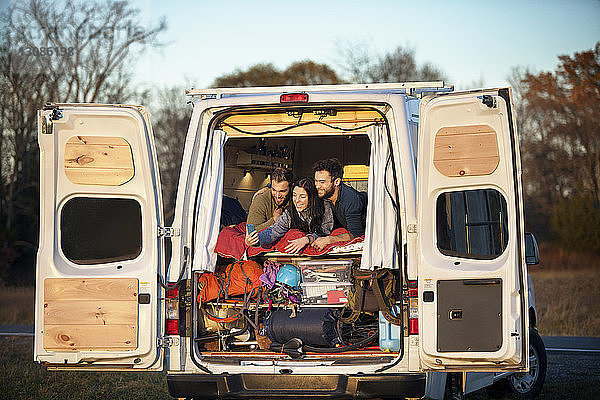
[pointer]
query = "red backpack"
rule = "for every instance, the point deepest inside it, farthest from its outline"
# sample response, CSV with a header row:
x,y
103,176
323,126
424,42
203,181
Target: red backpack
x,y
239,278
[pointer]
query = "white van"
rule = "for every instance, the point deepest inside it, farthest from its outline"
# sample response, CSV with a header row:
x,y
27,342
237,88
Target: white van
x,y
442,174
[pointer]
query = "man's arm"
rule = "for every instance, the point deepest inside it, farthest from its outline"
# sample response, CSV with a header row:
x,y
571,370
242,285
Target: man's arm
x,y
322,242
276,231
264,225
355,226
258,213
354,211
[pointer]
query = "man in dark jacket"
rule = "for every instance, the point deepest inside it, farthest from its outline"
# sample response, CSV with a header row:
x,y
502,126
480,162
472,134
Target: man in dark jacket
x,y
348,205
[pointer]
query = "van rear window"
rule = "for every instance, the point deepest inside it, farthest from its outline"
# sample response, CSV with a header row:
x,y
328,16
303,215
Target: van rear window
x,y
97,230
472,223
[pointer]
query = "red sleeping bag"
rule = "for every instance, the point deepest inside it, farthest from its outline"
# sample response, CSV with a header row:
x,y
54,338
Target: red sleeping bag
x,y
230,243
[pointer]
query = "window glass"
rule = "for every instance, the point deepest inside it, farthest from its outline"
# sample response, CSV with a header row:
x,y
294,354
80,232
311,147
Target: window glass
x,y
472,223
99,230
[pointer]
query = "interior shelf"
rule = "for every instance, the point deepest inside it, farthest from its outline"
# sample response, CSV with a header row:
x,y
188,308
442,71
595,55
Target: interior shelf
x,y
259,161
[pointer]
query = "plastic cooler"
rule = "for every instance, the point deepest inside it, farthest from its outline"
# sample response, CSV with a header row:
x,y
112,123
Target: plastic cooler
x,y
326,271
325,293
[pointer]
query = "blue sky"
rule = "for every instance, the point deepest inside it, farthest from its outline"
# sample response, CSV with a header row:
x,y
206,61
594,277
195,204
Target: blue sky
x,y
469,40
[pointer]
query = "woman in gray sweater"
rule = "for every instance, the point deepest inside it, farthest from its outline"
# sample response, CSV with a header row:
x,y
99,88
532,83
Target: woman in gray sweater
x,y
307,212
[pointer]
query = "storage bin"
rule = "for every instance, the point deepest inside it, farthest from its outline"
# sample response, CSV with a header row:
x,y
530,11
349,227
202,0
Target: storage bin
x,y
326,271
325,293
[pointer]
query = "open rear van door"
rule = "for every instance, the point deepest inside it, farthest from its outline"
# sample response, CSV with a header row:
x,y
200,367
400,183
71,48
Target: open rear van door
x,y
97,295
471,276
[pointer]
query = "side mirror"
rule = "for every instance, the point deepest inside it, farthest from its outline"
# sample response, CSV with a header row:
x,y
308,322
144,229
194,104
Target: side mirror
x,y
532,252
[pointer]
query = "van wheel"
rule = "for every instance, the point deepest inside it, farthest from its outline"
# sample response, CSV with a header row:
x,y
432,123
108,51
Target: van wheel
x,y
454,387
525,385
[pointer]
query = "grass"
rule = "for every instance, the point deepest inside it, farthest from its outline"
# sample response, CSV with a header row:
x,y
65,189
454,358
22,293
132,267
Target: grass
x,y
567,302
22,378
16,305
554,258
567,289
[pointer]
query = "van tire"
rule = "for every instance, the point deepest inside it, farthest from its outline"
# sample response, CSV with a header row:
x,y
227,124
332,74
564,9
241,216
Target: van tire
x,y
528,385
525,385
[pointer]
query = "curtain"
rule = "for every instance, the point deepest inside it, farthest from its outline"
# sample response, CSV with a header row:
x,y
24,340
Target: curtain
x,y
379,248
208,213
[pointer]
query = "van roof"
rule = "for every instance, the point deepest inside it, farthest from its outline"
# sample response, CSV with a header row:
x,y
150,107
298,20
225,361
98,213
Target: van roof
x,y
411,88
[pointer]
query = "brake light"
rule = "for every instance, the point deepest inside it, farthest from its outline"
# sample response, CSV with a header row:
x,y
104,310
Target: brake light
x,y
413,306
413,326
172,327
172,293
294,98
172,310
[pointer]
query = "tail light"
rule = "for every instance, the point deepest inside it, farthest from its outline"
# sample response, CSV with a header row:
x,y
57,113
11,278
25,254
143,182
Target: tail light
x,y
294,98
172,327
413,306
172,310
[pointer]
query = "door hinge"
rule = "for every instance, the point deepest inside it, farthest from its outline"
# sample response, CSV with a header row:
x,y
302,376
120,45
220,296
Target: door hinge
x,y
168,231
187,298
167,341
46,124
56,114
47,120
412,228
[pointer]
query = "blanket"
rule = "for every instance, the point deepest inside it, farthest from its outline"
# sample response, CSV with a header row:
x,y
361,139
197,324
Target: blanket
x,y
230,243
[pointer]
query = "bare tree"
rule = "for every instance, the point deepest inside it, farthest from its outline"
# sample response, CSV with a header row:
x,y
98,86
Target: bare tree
x,y
171,119
86,48
64,52
355,60
399,65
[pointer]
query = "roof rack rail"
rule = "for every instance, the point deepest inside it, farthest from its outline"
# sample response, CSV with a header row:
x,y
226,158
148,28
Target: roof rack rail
x,y
412,88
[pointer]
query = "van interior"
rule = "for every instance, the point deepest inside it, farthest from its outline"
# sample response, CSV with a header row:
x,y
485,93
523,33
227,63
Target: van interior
x,y
249,161
285,321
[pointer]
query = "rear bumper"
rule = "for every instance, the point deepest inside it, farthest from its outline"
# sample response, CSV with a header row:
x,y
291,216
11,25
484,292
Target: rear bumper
x,y
200,386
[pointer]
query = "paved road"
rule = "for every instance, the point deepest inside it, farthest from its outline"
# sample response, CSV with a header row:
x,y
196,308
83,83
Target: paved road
x,y
572,343
572,376
553,343
16,330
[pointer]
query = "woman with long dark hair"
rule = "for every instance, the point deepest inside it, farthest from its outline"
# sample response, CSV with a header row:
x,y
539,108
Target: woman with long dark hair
x,y
307,212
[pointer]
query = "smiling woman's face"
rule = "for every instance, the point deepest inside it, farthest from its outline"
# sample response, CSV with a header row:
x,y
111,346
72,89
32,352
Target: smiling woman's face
x,y
300,198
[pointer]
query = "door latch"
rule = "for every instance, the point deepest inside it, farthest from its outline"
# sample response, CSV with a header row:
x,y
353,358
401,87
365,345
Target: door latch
x,y
455,314
167,341
168,231
56,114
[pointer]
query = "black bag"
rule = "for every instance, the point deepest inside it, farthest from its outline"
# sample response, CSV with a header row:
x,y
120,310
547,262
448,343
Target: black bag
x,y
373,291
313,326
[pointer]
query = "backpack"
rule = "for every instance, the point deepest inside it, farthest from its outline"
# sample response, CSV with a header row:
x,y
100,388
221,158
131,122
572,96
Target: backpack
x,y
239,278
373,291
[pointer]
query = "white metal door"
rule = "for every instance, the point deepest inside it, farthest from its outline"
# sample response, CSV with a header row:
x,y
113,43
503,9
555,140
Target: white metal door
x,y
97,295
470,234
